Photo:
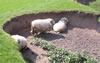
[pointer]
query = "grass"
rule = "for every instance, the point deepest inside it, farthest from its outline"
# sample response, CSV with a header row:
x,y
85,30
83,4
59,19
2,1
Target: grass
x,y
9,51
11,8
95,5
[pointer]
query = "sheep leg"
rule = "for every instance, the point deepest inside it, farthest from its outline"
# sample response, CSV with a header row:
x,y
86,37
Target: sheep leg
x,y
38,33
57,32
31,30
34,34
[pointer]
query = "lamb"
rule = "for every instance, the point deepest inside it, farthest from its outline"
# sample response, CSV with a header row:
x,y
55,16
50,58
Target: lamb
x,y
61,25
41,25
22,41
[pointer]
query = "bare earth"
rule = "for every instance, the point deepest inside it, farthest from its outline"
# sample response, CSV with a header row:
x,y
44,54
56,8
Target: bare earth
x,y
76,40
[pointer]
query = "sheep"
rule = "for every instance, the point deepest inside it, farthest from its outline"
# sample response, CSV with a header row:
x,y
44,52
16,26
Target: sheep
x,y
60,26
41,25
22,41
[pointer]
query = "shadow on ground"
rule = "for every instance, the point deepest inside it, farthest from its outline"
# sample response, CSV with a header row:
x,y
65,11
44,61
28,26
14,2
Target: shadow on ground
x,y
28,55
50,36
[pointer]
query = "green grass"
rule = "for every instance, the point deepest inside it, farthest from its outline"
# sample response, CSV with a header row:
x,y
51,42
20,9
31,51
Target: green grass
x,y
95,5
11,8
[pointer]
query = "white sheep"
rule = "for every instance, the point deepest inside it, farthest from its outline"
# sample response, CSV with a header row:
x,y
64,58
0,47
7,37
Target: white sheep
x,y
22,41
41,25
61,25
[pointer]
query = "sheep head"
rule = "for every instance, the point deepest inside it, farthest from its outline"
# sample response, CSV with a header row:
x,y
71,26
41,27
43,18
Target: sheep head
x,y
64,20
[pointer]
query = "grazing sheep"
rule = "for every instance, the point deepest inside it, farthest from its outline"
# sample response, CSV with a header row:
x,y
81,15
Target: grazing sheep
x,y
41,25
22,41
61,25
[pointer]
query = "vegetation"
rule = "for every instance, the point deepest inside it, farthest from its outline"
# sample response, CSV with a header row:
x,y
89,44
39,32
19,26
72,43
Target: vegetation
x,y
99,19
60,55
11,8
95,5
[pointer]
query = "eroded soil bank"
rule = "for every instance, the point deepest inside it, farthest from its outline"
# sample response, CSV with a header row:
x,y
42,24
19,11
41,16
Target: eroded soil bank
x,y
76,19
82,33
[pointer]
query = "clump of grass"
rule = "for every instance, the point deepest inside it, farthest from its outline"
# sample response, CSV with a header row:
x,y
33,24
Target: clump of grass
x,y
43,44
99,19
95,5
60,55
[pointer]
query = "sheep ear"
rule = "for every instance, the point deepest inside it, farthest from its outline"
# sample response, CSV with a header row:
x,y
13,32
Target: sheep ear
x,y
65,19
